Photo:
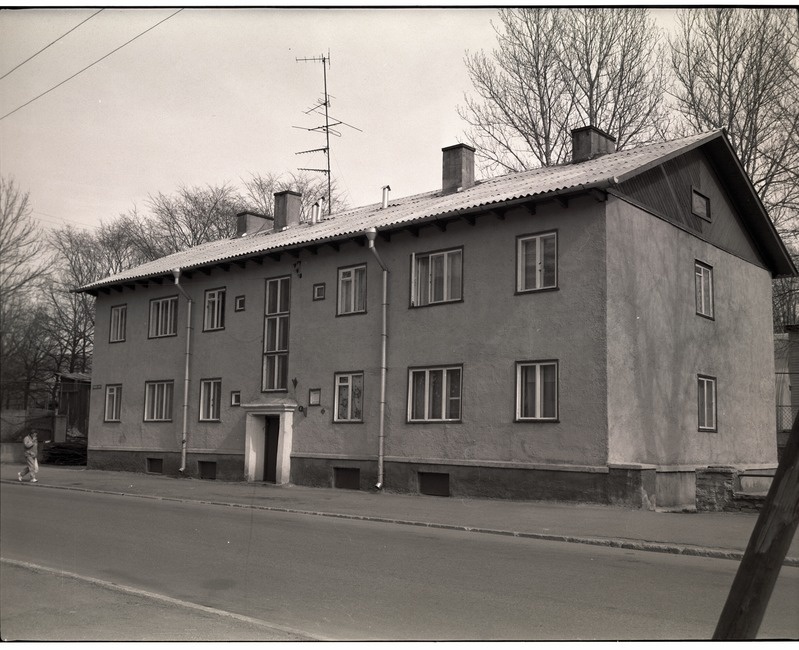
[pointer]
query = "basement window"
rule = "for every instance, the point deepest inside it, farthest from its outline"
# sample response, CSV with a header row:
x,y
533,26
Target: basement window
x,y
206,469
434,484
155,465
347,478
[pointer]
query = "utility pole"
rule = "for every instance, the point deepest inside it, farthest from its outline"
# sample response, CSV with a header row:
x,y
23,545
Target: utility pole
x,y
326,128
775,527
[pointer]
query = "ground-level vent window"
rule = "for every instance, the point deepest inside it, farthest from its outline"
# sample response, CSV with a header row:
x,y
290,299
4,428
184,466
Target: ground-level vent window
x,y
206,469
155,465
434,484
347,478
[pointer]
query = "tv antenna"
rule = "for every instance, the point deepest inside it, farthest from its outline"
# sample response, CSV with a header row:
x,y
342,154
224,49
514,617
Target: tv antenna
x,y
326,128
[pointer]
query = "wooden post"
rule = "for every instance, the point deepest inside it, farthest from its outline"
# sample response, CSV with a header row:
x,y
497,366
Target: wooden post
x,y
775,527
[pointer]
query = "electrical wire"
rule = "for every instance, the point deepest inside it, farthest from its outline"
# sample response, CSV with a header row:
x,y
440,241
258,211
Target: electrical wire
x,y
90,65
46,46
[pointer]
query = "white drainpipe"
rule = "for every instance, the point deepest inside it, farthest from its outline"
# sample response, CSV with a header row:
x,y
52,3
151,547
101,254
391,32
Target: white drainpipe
x,y
371,233
183,441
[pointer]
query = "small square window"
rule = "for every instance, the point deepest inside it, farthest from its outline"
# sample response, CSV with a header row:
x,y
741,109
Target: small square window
x,y
319,291
238,304
235,398
314,397
700,205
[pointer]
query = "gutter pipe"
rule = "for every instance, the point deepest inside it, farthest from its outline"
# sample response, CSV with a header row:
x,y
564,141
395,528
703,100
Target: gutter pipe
x,y
371,234
184,438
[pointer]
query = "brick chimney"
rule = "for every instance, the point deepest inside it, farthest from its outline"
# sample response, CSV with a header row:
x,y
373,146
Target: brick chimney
x,y
249,223
287,209
458,168
589,142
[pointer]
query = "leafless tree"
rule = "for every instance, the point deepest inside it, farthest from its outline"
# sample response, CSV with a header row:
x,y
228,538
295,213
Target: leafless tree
x,y
22,250
259,193
557,69
738,69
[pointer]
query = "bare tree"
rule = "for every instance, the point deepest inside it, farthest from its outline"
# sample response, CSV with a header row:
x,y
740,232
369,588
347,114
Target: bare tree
x,y
556,69
22,251
259,193
738,69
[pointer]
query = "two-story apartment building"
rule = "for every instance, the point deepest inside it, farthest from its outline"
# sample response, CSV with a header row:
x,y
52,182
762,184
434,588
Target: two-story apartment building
x,y
594,331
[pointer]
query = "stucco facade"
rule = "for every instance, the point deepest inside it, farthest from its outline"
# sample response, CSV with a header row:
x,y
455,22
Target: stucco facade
x,y
619,325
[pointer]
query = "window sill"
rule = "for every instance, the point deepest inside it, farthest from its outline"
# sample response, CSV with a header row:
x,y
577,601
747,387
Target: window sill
x,y
522,292
162,336
434,421
537,420
214,329
352,313
706,317
436,304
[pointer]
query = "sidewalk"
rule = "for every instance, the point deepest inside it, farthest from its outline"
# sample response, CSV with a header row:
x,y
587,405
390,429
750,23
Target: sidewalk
x,y
721,535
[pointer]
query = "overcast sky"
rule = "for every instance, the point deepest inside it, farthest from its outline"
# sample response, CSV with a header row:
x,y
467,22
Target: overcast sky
x,y
211,95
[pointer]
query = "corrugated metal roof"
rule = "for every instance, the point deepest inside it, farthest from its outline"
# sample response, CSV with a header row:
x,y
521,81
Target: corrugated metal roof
x,y
601,171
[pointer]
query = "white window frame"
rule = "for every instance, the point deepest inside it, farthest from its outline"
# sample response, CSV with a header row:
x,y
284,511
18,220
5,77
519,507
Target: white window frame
x,y
424,277
274,372
703,283
158,401
445,404
214,312
538,404
210,400
538,240
163,317
113,403
707,408
346,382
118,324
235,398
351,290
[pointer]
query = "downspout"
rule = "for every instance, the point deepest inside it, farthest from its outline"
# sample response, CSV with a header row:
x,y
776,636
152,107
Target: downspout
x,y
184,437
371,234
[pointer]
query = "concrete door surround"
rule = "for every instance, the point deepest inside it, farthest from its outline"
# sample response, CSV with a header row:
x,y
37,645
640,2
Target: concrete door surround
x,y
255,439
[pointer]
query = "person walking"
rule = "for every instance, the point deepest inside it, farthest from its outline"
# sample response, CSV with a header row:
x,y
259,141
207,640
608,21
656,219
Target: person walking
x,y
31,442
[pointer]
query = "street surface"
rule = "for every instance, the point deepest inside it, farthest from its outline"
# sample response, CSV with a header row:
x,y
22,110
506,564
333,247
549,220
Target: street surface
x,y
338,579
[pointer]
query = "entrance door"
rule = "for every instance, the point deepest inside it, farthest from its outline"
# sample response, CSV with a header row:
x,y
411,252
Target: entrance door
x,y
271,431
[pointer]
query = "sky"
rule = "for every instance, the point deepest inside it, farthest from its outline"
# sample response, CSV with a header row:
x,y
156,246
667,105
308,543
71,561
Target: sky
x,y
210,96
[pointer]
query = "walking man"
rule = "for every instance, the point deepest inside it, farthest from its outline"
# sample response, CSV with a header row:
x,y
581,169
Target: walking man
x,y
31,443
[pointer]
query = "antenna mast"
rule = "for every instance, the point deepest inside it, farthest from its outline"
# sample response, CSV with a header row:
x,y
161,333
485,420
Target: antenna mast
x,y
326,127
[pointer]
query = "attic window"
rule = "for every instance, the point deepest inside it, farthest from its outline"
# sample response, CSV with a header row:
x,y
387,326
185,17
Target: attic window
x,y
700,205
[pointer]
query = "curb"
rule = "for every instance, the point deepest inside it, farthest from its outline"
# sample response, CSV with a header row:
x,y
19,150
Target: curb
x,y
609,542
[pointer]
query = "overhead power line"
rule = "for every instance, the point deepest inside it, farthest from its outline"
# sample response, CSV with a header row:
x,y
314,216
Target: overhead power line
x,y
46,46
90,65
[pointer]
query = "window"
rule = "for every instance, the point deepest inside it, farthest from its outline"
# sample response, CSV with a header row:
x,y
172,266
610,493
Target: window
x,y
349,397
700,205
276,335
704,289
707,403
235,398
119,317
163,317
214,315
314,396
434,394
113,403
319,291
210,399
537,390
238,303
436,277
352,290
158,401
537,262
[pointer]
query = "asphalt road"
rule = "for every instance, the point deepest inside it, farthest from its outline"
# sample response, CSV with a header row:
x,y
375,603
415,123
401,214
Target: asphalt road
x,y
353,580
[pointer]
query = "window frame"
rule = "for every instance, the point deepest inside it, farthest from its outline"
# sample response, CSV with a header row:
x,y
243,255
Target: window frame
x,y
318,291
215,405
174,320
336,377
707,380
414,274
707,272
239,303
218,310
705,217
538,364
117,404
122,308
235,398
444,394
164,382
279,317
353,268
520,258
